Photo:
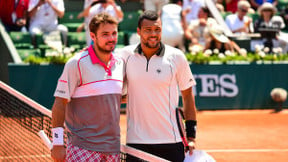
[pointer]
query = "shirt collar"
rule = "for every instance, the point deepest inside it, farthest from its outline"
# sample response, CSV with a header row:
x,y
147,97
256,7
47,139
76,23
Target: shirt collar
x,y
96,60
160,51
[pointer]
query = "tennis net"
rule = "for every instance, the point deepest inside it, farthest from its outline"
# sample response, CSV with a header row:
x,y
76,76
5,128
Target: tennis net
x,y
20,121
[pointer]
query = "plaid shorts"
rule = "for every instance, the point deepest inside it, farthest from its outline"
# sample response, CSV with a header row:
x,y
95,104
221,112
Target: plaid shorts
x,y
76,154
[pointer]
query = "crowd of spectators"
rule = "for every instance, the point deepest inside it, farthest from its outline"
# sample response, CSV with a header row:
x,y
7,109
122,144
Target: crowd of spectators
x,y
187,22
242,18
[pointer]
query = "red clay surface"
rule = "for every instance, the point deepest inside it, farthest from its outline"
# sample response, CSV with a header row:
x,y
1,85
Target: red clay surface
x,y
228,136
240,135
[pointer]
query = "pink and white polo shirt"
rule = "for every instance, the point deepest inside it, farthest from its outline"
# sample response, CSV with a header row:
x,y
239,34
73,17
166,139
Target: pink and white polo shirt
x,y
94,94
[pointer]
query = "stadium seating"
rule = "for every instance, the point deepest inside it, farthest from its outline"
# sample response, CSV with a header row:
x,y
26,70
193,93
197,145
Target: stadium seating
x,y
77,40
225,14
21,40
282,4
71,21
127,27
254,16
24,53
129,24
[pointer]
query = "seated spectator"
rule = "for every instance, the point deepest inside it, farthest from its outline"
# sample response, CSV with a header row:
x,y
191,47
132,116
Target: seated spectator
x,y
197,32
231,5
84,25
44,16
172,32
239,22
284,15
191,9
98,6
269,21
155,5
13,14
257,3
218,40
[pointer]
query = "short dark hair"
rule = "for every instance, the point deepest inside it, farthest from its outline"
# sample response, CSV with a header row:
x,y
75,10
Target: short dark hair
x,y
176,1
149,15
206,10
101,18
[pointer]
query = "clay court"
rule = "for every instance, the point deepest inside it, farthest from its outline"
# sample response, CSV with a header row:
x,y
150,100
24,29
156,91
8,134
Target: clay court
x,y
241,135
227,135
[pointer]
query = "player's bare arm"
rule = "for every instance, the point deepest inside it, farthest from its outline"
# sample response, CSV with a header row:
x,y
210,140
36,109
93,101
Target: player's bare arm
x,y
58,152
190,116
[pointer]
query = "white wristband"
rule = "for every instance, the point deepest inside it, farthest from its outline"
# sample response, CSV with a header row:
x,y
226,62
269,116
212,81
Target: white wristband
x,y
57,134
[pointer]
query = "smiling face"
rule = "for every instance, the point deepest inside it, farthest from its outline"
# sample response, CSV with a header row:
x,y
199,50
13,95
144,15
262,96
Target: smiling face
x,y
105,38
150,33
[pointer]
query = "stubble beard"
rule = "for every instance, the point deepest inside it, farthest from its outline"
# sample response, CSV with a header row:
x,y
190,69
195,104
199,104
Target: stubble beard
x,y
149,45
106,51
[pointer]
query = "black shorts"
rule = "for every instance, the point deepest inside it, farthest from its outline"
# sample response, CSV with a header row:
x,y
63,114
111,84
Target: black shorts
x,y
172,152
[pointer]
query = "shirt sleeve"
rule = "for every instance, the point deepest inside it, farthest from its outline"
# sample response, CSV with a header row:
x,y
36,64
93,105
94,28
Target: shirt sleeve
x,y
68,80
184,74
60,5
32,4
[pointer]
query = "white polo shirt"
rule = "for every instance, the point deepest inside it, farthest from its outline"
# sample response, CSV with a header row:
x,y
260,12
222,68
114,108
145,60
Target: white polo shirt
x,y
153,93
94,92
234,23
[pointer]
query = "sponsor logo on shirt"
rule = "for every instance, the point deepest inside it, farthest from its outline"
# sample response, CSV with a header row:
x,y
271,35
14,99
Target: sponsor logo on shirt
x,y
60,91
158,71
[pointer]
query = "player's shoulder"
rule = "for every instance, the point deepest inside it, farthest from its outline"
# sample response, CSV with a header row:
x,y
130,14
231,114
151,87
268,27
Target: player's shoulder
x,y
126,51
172,51
117,57
129,48
79,56
174,54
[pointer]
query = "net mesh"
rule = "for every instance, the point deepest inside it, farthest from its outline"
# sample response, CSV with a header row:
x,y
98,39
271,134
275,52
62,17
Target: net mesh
x,y
20,121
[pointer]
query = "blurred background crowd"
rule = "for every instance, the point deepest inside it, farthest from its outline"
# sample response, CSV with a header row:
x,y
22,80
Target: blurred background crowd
x,y
190,25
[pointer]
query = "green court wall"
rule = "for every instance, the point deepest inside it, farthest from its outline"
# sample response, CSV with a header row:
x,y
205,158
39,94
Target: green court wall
x,y
218,86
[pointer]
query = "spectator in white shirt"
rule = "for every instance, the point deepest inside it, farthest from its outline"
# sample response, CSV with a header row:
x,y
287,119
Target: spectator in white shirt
x,y
155,5
173,32
99,6
44,16
191,9
240,22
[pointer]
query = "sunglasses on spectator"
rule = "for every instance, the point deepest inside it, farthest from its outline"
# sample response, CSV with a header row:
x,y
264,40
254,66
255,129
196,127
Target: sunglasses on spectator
x,y
266,10
243,10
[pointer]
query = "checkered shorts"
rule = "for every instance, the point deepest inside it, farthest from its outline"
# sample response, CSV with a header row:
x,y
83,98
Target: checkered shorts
x,y
76,154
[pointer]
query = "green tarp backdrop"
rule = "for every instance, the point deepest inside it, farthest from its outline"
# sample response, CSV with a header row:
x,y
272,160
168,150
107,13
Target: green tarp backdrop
x,y
218,86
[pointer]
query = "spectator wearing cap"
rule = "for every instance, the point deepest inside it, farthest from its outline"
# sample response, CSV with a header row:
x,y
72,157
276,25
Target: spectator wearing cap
x,y
240,23
269,21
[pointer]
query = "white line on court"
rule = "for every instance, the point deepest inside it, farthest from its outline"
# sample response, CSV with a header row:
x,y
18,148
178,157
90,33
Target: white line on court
x,y
247,150
209,151
24,157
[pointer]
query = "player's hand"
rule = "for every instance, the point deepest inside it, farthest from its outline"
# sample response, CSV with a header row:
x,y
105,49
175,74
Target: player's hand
x,y
58,153
192,145
20,22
